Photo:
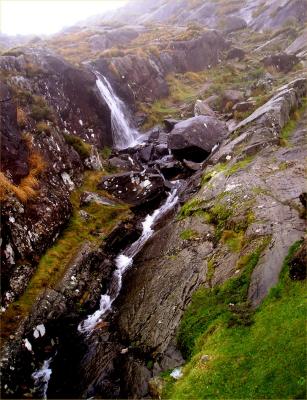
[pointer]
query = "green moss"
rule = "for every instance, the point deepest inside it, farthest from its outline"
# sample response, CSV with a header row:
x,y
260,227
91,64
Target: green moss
x,y
82,148
189,234
189,208
210,174
265,358
239,165
233,240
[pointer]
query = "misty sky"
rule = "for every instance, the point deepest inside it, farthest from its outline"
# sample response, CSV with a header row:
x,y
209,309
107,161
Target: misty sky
x,y
48,16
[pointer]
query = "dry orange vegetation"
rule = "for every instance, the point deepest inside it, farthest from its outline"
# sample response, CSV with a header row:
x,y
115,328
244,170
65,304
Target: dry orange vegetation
x,y
28,185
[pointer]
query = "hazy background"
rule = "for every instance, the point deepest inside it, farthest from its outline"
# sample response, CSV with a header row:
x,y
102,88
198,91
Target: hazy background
x,y
48,16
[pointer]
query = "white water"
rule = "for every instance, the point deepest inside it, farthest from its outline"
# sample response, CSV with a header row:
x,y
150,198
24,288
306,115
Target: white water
x,y
123,134
124,261
41,378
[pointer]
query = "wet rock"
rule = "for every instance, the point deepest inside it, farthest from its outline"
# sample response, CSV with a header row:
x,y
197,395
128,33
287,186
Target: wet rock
x,y
120,163
87,198
194,138
202,108
298,263
135,188
282,62
236,53
136,377
161,150
192,165
170,123
171,169
146,153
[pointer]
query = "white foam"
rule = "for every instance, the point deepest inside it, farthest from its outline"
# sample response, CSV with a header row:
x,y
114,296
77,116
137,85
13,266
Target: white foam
x,y
42,376
123,134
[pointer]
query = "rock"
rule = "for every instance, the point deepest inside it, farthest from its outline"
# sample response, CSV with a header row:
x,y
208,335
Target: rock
x,y
146,153
161,150
194,138
244,106
135,188
298,263
170,123
192,165
136,379
282,62
120,163
84,215
171,169
230,98
14,151
233,24
87,198
299,46
235,53
303,199
202,108
155,386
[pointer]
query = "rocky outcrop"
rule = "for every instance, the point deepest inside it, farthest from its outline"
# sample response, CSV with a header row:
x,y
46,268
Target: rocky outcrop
x,y
194,138
135,188
142,78
14,160
283,62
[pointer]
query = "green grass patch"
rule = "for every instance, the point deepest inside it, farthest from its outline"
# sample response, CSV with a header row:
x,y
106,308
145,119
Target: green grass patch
x,y
82,148
189,234
263,359
239,165
233,240
55,261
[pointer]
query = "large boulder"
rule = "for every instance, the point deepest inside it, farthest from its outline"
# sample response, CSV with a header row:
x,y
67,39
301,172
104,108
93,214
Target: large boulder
x,y
194,138
135,188
233,23
202,108
282,62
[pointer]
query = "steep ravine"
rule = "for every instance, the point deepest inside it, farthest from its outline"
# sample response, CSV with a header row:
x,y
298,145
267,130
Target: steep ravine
x,y
108,232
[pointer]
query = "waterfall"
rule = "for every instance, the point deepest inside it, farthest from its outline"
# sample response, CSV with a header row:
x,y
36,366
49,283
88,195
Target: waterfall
x,y
125,260
124,135
41,378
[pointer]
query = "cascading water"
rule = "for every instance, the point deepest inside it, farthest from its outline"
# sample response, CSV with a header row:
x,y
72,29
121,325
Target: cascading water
x,y
42,377
123,134
125,260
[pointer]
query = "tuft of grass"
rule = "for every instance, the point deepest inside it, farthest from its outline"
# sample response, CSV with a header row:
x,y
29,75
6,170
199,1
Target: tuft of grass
x,y
189,208
82,148
233,240
43,127
239,165
21,118
189,234
106,152
40,110
265,358
26,189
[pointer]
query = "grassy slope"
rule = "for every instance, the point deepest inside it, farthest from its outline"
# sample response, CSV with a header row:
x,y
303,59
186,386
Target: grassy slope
x,y
265,359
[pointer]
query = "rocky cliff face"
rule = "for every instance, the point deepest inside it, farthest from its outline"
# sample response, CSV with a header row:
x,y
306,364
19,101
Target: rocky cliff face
x,y
219,91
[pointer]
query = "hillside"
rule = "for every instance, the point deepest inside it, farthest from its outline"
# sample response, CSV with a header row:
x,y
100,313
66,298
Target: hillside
x,y
153,204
